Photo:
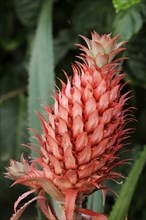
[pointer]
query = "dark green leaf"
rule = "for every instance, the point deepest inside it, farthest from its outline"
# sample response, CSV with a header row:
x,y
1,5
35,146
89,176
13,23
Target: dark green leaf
x,y
91,15
10,39
19,125
8,113
136,66
121,206
122,4
13,127
63,43
28,11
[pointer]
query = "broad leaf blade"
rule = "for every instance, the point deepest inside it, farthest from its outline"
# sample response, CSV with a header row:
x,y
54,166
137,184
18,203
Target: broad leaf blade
x,y
129,21
121,206
41,72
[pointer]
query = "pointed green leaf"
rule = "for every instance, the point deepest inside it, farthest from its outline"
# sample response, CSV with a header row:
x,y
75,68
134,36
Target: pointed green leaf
x,y
41,71
121,206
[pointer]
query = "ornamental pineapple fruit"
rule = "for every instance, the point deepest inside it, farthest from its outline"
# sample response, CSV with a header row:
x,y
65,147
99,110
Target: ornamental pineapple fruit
x,y
81,138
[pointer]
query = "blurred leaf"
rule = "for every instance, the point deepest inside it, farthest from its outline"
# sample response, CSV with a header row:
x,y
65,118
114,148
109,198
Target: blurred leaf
x,y
10,39
13,115
141,125
121,206
41,71
63,43
95,201
88,16
9,45
28,11
129,21
19,125
120,5
136,66
8,111
13,127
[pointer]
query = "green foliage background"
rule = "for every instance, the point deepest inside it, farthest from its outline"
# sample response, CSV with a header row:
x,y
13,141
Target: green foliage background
x,y
37,40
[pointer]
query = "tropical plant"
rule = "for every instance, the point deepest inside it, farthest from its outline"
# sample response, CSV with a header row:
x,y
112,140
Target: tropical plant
x,y
31,32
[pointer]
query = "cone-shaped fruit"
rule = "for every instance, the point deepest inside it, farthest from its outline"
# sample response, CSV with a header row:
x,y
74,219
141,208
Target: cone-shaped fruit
x,y
83,133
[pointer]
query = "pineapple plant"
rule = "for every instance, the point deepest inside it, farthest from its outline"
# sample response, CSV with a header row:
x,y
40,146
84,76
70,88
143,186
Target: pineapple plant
x,y
81,139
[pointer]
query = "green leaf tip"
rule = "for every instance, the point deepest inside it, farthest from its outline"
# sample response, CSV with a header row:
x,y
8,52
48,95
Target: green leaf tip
x,y
120,5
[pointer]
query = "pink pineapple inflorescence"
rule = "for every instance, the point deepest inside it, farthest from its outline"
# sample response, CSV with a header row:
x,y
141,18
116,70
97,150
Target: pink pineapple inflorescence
x,y
80,141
